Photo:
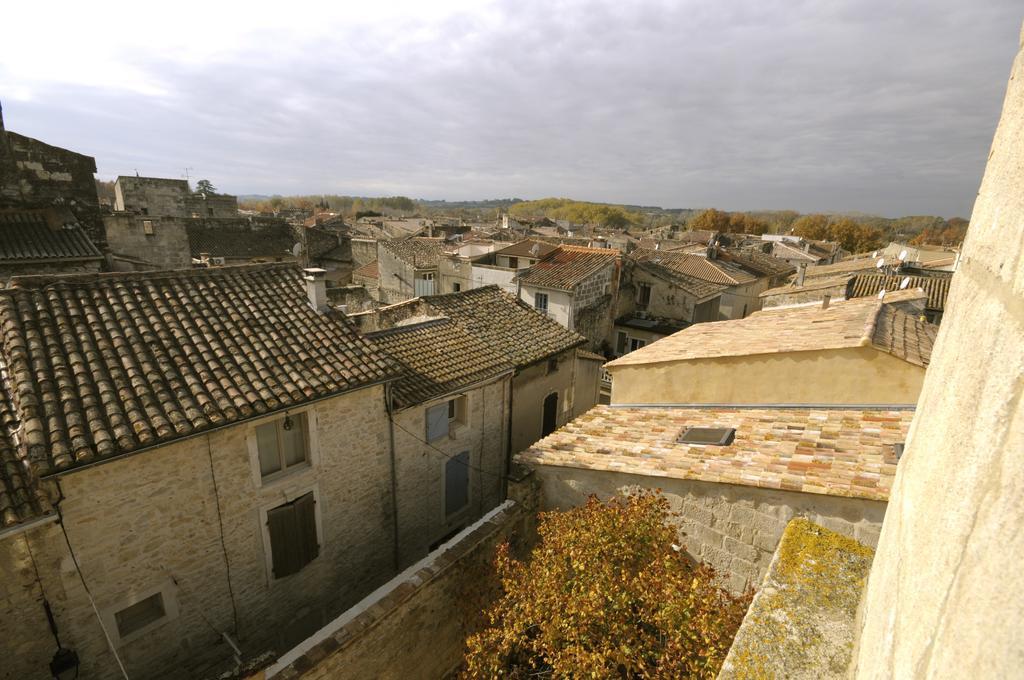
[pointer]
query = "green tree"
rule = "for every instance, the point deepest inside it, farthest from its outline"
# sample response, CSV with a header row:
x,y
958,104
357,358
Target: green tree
x,y
204,186
605,594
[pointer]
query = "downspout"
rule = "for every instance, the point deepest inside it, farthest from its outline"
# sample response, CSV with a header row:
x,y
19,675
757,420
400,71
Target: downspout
x,y
508,438
394,478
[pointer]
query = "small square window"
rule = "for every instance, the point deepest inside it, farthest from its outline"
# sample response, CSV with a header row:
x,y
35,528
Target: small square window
x,y
456,287
147,227
540,302
143,613
711,436
552,365
282,444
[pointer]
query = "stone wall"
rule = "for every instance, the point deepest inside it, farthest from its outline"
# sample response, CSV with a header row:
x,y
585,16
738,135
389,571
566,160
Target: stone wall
x,y
37,175
30,268
364,251
166,248
420,467
186,518
414,626
802,295
355,298
155,196
946,592
733,528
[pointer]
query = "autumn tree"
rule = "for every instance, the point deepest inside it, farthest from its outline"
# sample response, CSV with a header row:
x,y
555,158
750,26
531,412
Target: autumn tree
x,y
710,220
742,223
812,226
854,237
605,594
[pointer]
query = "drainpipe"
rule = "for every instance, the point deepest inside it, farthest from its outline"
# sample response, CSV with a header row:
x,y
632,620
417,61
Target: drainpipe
x,y
508,438
394,478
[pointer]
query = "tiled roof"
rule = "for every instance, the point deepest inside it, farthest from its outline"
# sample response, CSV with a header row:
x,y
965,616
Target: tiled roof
x,y
694,286
849,323
757,263
567,267
819,283
782,249
836,452
21,499
438,357
419,252
506,324
935,287
696,266
528,248
32,235
850,266
271,242
369,270
590,356
105,364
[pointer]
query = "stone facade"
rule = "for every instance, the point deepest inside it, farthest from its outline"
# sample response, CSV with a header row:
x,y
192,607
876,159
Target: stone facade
x,y
415,626
364,251
163,242
37,175
162,197
733,528
482,431
186,518
944,597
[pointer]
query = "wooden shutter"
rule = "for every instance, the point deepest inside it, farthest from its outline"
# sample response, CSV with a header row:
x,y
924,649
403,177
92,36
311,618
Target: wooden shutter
x,y
437,422
283,545
456,483
305,520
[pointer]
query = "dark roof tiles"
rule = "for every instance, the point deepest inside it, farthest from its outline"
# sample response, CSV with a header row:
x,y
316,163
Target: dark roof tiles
x,y
105,364
33,235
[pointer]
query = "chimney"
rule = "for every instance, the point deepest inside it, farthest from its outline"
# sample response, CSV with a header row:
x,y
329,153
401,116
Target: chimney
x,y
801,271
807,246
316,288
825,300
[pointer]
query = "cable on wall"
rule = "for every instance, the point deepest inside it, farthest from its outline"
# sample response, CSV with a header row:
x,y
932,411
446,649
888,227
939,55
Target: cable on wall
x,y
223,545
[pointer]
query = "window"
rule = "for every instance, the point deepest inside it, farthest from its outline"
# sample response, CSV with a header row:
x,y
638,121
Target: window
x,y
552,365
513,263
540,302
140,615
456,483
715,436
147,227
456,287
643,296
437,422
293,535
620,343
282,445
636,343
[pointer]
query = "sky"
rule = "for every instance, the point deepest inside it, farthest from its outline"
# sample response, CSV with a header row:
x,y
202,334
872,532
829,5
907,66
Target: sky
x,y
874,106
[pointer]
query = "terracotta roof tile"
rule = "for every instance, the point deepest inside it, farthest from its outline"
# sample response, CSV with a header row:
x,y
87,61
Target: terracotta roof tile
x,y
849,323
567,267
506,324
417,251
696,266
836,452
438,357
935,287
757,263
369,270
31,235
528,248
104,364
21,498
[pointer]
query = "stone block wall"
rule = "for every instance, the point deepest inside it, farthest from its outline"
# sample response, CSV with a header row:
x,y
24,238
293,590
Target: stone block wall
x,y
364,251
166,248
35,175
415,625
733,528
186,517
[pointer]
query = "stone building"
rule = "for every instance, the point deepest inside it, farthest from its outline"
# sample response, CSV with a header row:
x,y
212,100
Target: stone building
x,y
577,287
162,197
35,175
407,268
192,461
553,381
451,413
862,351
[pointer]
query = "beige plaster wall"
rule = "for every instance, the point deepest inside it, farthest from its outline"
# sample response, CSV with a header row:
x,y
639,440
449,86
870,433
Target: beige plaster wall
x,y
530,387
420,468
155,520
856,375
733,528
946,593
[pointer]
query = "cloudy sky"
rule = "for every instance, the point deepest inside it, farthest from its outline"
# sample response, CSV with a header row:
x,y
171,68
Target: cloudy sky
x,y
876,106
